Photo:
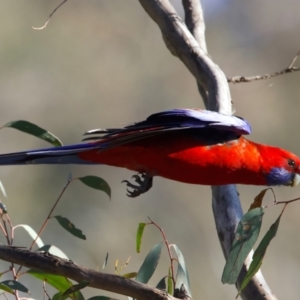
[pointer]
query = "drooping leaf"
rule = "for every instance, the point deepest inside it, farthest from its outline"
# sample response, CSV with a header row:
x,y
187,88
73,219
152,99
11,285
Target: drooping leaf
x,y
35,130
139,236
70,227
59,282
260,253
182,276
149,265
6,288
105,261
246,235
162,284
15,285
130,275
53,250
170,283
97,183
76,287
258,199
32,233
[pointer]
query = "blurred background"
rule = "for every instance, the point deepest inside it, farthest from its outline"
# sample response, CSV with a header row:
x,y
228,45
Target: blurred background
x,y
102,64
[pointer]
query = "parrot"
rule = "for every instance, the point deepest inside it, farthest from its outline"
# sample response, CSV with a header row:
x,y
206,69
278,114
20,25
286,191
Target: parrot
x,y
192,146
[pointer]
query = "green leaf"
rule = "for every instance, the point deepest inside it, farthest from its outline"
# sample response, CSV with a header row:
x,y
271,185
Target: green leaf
x,y
97,183
70,227
170,283
162,284
105,261
59,282
76,287
149,265
15,285
260,253
35,130
139,236
59,296
53,250
130,275
246,235
32,233
6,289
182,276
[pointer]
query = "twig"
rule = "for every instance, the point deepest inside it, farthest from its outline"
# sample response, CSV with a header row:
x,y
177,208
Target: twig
x,y
50,213
45,291
168,248
286,202
289,69
45,25
5,230
47,219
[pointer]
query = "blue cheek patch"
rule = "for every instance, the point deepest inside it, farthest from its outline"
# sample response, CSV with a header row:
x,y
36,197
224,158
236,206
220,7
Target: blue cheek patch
x,y
279,176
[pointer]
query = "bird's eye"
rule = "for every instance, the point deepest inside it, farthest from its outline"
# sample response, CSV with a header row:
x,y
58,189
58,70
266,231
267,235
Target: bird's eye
x,y
291,163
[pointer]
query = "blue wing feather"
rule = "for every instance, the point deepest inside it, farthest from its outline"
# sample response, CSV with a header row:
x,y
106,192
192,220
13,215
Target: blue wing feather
x,y
212,126
195,118
176,119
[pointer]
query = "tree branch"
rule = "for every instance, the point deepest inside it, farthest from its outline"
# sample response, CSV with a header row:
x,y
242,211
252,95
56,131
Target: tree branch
x,y
52,264
289,69
182,44
195,23
191,50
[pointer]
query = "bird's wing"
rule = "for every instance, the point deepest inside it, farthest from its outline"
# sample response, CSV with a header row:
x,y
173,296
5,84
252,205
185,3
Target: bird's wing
x,y
209,126
203,121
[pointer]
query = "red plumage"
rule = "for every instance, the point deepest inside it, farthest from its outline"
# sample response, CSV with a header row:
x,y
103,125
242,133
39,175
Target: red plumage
x,y
181,157
191,146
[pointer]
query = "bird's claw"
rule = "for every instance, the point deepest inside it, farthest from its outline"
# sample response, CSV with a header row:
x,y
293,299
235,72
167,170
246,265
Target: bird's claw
x,y
139,178
144,183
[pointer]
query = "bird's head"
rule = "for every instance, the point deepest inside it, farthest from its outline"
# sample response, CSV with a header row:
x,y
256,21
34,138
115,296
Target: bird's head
x,y
280,166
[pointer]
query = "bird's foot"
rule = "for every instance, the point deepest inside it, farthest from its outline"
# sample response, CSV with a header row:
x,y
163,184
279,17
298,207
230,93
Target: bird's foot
x,y
144,183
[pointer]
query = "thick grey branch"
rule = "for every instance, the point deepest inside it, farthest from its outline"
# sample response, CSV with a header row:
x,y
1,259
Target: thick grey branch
x,y
189,48
58,266
195,23
239,79
182,44
194,20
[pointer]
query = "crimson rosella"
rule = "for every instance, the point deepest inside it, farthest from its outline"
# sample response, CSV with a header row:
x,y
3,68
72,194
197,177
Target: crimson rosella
x,y
186,145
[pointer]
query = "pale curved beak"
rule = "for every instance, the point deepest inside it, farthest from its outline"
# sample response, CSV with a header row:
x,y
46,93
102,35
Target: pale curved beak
x,y
296,180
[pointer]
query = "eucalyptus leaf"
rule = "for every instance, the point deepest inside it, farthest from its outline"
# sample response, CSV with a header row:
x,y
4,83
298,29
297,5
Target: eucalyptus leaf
x,y
70,227
35,130
97,183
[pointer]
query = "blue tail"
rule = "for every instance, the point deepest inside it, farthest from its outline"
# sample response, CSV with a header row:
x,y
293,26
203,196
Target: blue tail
x,y
54,155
